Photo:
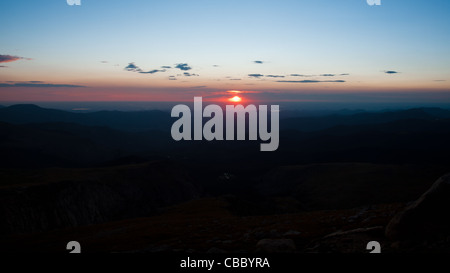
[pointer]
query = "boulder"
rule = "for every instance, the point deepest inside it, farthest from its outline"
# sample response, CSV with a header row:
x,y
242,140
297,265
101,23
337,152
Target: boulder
x,y
427,218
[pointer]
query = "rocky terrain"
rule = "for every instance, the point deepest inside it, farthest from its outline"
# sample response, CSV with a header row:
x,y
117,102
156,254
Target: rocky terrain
x,y
60,198
106,214
117,182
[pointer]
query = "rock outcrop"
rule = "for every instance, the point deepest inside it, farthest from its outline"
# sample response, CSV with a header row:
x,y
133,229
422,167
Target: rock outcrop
x,y
94,196
428,218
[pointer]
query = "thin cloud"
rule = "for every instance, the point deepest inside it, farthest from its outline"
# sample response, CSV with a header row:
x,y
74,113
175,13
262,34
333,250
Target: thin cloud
x,y
166,67
258,62
391,72
38,84
132,67
310,81
320,75
255,75
274,76
187,74
301,75
183,66
10,58
152,71
242,92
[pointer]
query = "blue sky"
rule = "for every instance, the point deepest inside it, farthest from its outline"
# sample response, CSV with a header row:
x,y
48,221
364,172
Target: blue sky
x,y
304,47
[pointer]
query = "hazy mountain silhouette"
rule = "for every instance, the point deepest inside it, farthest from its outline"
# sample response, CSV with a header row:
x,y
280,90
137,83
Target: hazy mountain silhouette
x,y
70,144
160,120
323,122
130,121
37,139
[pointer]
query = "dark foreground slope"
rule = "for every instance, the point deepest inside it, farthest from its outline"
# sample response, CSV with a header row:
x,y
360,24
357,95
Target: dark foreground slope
x,y
334,183
155,207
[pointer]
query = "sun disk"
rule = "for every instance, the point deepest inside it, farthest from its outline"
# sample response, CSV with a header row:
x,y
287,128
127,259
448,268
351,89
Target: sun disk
x,y
235,99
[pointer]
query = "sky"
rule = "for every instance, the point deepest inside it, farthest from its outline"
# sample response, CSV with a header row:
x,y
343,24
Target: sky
x,y
173,50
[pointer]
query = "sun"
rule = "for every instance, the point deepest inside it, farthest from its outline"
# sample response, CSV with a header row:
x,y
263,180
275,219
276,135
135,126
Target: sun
x,y
235,99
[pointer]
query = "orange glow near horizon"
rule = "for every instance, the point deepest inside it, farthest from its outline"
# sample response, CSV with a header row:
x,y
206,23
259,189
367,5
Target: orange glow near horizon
x,y
235,99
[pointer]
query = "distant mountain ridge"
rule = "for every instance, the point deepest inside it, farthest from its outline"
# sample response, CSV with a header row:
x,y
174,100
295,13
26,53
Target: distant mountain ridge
x,y
129,121
160,120
308,124
75,145
113,137
72,144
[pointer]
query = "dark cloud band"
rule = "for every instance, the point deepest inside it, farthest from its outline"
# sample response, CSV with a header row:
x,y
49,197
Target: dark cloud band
x,y
9,58
38,84
310,81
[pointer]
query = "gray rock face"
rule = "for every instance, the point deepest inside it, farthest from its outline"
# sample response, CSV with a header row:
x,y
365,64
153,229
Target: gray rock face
x,y
104,194
276,245
427,218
